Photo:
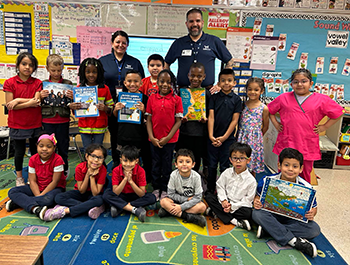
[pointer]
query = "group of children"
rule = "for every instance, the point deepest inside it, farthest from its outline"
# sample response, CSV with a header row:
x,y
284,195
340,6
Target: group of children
x,y
212,139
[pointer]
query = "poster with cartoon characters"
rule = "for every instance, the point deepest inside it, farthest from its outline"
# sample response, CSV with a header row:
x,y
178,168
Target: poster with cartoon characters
x,y
87,97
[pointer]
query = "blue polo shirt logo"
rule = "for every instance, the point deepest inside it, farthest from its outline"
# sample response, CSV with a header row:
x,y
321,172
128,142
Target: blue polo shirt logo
x,y
206,48
128,66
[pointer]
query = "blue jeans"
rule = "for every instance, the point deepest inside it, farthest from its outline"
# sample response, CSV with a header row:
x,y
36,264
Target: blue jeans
x,y
162,165
283,229
24,197
61,131
94,138
217,155
78,203
121,200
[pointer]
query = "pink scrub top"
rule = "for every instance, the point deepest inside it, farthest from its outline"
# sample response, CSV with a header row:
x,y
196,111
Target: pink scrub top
x,y
298,122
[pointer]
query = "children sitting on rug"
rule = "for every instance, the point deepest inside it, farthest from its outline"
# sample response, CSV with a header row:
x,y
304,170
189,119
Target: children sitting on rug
x,y
87,194
129,186
236,189
46,178
184,196
284,229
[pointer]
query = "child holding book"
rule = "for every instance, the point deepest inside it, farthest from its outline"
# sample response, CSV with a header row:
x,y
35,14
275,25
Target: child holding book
x,y
56,118
164,111
92,129
129,186
184,198
284,230
155,64
46,178
194,133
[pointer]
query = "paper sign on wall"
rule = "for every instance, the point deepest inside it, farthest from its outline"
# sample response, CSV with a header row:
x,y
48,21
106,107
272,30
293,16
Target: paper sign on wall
x,y
264,54
239,43
257,26
218,20
319,65
337,39
282,42
346,68
303,60
293,51
333,66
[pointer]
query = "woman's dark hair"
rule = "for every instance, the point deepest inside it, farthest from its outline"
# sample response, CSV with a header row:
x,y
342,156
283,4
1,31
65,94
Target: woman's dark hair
x,y
31,57
303,71
121,33
92,147
100,72
172,77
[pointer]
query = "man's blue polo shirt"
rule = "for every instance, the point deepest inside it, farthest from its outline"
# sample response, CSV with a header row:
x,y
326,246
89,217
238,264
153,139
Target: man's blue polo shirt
x,y
205,50
112,71
224,107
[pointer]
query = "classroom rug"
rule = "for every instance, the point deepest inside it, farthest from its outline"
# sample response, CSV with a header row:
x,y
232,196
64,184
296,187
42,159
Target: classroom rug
x,y
168,240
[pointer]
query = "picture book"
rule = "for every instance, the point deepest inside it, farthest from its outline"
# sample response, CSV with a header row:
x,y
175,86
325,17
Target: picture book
x,y
193,102
87,97
287,198
130,113
57,94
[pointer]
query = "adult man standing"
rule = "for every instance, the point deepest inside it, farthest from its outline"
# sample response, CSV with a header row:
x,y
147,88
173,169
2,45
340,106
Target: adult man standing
x,y
197,46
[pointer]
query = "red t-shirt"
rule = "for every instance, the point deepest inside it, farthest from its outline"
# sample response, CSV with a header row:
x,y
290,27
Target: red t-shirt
x,y
57,119
28,118
138,176
148,88
163,111
80,172
44,171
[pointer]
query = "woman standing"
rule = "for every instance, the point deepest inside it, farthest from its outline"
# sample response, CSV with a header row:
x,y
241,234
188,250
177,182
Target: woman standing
x,y
116,64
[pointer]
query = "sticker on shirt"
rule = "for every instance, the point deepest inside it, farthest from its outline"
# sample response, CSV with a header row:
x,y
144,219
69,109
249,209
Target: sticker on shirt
x,y
186,53
206,48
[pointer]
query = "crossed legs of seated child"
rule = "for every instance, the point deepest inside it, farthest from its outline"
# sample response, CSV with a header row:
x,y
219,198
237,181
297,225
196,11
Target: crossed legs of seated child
x,y
129,186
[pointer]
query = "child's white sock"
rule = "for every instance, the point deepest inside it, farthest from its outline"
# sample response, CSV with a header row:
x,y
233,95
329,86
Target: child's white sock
x,y
35,209
292,241
234,221
133,210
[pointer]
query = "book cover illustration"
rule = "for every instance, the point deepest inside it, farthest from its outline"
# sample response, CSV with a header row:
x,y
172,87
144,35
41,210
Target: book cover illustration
x,y
57,94
193,102
287,198
87,97
130,113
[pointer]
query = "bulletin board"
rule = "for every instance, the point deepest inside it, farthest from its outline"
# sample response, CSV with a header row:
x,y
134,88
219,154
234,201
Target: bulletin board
x,y
310,31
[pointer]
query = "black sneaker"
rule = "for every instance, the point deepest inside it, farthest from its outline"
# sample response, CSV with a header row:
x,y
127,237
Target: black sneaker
x,y
162,212
197,219
115,212
306,247
10,206
141,214
40,211
244,224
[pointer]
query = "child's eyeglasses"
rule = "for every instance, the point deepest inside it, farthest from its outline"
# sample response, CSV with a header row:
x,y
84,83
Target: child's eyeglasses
x,y
100,158
242,158
295,82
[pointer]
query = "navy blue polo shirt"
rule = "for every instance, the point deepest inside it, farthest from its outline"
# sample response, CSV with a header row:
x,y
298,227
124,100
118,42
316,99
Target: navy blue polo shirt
x,y
112,71
224,107
205,50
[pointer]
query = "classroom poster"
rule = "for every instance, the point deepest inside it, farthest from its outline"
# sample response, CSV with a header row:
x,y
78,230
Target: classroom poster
x,y
87,97
130,18
95,41
130,113
66,17
287,198
238,42
2,39
193,102
42,26
264,53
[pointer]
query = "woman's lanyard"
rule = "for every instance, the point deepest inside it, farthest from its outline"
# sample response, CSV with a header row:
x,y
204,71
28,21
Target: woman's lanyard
x,y
120,67
195,50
